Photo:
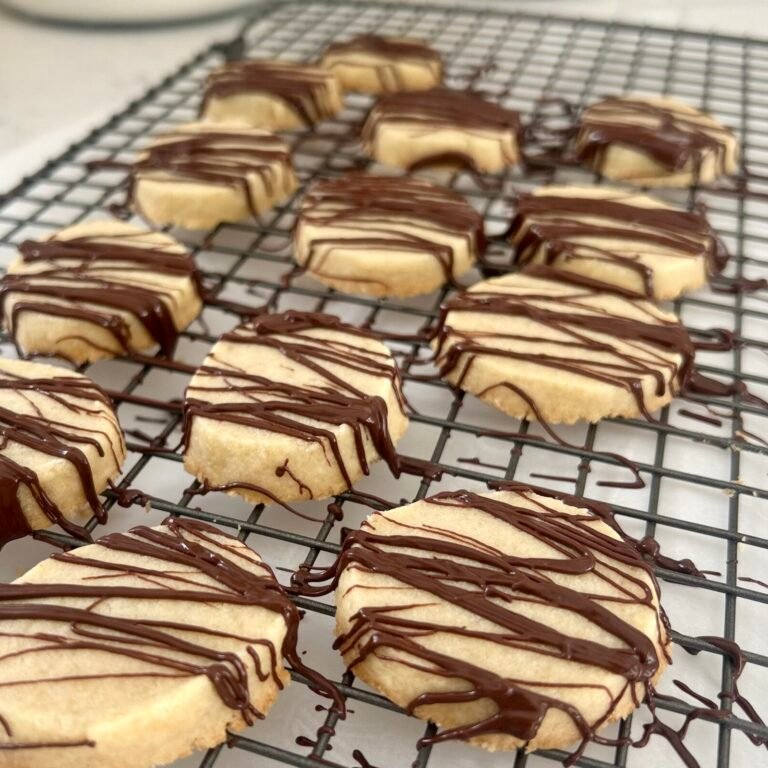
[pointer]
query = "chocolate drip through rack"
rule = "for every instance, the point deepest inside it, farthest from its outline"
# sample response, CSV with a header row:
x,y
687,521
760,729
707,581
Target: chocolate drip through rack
x,y
703,498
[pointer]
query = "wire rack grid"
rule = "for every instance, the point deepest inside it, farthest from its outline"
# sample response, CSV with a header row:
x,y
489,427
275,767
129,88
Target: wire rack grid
x,y
705,486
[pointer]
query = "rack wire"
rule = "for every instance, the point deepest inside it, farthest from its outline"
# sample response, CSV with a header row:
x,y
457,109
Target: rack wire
x,y
705,486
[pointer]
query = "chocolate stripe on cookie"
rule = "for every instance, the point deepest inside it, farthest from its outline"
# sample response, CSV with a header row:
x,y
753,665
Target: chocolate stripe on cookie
x,y
39,431
114,606
557,227
96,279
581,569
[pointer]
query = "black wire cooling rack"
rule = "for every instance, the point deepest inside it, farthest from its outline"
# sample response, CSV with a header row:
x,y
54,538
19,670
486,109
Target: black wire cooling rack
x,y
706,486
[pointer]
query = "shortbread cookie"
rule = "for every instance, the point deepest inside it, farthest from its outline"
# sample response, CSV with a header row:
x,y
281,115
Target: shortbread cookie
x,y
292,406
373,64
617,236
99,290
141,648
60,444
275,95
386,236
654,142
201,175
442,127
509,619
558,347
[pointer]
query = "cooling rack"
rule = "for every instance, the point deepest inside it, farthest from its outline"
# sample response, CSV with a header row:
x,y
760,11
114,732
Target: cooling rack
x,y
705,485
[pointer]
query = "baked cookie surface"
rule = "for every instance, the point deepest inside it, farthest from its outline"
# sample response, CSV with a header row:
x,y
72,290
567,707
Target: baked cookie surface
x,y
557,347
292,406
200,175
274,95
385,235
375,64
60,444
618,236
509,619
442,127
654,142
139,649
99,290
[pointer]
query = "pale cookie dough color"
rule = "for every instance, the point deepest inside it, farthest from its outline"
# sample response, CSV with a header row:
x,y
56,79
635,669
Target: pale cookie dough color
x,y
276,95
509,619
618,236
140,649
654,142
373,64
559,348
385,235
99,290
201,175
292,406
442,127
60,444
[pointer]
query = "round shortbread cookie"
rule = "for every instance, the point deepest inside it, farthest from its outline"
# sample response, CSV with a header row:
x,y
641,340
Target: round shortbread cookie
x,y
509,619
141,648
60,445
201,175
558,347
98,290
618,236
292,406
386,236
374,64
275,95
654,142
442,127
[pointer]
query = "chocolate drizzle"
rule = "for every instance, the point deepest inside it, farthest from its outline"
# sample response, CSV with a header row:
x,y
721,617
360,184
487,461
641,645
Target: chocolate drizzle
x,y
488,583
555,228
97,279
674,139
39,432
389,53
381,213
183,552
305,89
222,156
424,112
641,349
304,412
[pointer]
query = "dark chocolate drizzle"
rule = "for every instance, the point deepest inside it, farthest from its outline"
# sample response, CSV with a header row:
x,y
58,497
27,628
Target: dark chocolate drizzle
x,y
285,408
675,140
92,279
372,207
397,50
443,108
182,543
214,156
301,87
561,313
551,228
459,570
56,439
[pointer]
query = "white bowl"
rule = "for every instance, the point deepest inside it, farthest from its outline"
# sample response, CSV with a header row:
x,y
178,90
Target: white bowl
x,y
120,12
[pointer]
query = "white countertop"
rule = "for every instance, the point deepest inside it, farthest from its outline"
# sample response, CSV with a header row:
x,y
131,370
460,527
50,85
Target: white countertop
x,y
57,83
